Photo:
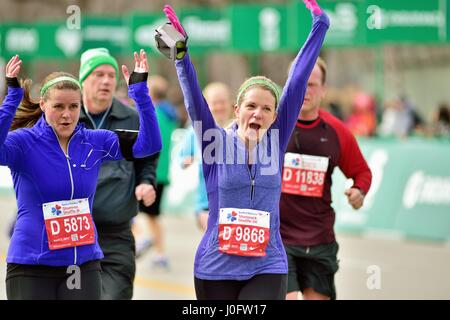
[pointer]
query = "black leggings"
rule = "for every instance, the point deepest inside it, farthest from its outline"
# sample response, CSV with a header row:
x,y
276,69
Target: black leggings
x,y
259,287
37,283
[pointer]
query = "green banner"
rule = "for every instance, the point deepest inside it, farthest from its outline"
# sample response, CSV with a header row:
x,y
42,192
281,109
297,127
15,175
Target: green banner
x,y
246,28
346,22
43,40
257,28
207,29
56,40
19,38
410,193
143,28
406,21
106,32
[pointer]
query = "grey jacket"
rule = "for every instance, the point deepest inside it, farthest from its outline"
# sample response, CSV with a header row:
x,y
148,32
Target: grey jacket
x,y
115,202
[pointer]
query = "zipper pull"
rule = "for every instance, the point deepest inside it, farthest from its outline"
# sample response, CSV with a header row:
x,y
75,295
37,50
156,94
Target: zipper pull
x,y
253,189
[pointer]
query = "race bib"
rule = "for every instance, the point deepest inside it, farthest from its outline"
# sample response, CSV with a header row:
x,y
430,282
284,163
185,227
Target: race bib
x,y
304,174
68,223
244,232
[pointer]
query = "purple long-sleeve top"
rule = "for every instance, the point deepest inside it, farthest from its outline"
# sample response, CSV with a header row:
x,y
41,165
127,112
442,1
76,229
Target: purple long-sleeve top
x,y
43,173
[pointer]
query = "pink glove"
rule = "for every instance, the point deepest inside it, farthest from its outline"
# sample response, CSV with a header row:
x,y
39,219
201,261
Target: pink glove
x,y
172,16
313,6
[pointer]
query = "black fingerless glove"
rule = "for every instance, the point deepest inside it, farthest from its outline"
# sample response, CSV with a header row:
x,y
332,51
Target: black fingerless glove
x,y
137,77
12,82
127,138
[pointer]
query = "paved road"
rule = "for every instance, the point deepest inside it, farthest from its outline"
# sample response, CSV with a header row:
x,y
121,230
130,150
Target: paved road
x,y
370,268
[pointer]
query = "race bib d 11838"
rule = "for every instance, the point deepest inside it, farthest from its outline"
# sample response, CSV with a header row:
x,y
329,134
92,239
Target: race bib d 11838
x,y
244,232
68,223
304,174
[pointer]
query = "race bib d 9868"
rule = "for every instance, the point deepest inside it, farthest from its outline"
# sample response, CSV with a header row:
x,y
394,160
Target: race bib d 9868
x,y
68,223
244,232
304,174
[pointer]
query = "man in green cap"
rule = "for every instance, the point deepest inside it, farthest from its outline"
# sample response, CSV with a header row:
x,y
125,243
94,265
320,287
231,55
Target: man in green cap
x,y
121,184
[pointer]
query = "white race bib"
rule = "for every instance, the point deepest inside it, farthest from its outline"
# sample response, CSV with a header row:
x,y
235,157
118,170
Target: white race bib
x,y
244,232
68,223
304,174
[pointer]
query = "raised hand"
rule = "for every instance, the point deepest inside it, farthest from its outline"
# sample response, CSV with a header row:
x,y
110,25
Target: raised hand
x,y
313,6
172,16
13,67
140,65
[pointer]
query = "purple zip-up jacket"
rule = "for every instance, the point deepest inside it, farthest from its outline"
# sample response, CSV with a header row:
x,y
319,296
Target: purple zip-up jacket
x,y
229,180
43,173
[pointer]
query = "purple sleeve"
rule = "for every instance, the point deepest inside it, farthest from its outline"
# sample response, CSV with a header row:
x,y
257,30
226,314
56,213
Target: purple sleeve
x,y
295,87
8,109
197,108
194,101
149,137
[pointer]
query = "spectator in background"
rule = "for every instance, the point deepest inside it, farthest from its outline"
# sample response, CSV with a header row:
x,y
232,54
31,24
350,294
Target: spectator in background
x,y
441,121
168,121
417,122
363,120
397,119
121,184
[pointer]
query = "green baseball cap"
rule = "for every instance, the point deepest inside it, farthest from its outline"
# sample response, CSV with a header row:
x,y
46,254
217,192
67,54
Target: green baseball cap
x,y
92,58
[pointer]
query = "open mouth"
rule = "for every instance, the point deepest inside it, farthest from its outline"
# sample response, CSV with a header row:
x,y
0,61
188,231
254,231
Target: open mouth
x,y
254,126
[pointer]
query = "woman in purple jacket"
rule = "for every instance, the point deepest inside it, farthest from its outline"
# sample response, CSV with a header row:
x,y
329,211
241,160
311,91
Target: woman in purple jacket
x,y
54,253
241,255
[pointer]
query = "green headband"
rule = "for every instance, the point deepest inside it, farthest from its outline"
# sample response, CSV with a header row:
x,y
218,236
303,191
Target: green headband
x,y
48,84
265,83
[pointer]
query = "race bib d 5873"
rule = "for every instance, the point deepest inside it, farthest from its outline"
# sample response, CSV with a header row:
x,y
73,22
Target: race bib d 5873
x,y
244,232
68,223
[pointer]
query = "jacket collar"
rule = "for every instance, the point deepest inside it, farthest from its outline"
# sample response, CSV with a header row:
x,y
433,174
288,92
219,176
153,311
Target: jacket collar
x,y
42,127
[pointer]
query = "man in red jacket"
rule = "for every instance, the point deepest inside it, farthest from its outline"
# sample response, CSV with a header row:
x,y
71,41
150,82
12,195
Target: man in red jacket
x,y
318,144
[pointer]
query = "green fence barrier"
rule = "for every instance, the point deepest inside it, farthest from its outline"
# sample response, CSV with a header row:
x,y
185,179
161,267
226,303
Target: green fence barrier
x,y
410,193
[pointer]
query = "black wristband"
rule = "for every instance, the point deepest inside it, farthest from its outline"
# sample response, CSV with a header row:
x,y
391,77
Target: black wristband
x,y
127,138
12,82
137,77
